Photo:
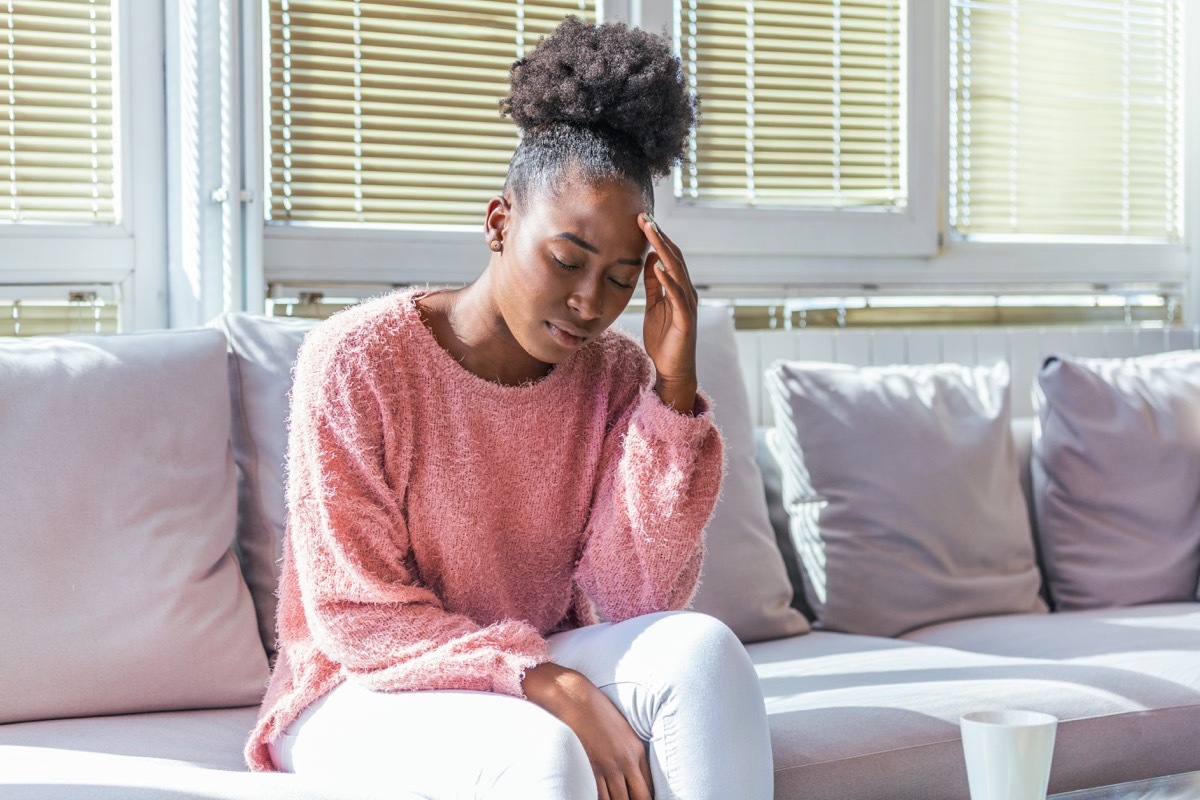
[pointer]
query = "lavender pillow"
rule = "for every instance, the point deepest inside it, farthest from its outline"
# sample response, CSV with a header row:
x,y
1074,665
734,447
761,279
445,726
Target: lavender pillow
x,y
1116,478
902,488
119,589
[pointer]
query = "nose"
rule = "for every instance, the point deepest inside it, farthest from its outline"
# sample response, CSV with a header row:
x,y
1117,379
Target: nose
x,y
587,299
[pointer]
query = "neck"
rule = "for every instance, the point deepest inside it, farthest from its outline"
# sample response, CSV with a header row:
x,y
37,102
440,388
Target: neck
x,y
475,332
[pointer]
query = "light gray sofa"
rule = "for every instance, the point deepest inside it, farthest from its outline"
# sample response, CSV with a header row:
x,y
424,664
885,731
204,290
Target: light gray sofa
x,y
125,675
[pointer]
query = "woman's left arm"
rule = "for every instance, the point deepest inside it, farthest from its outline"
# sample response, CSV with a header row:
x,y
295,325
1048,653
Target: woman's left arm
x,y
662,464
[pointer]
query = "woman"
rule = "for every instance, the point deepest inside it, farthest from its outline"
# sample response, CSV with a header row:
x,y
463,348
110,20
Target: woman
x,y
476,476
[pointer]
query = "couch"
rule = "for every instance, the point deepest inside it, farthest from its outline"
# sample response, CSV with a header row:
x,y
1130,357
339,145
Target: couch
x,y
143,506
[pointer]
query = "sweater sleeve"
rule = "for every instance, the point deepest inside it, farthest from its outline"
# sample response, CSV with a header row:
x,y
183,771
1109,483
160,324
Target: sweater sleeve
x,y
361,597
660,476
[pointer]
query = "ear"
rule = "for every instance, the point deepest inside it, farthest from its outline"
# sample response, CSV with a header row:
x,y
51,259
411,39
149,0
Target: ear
x,y
499,215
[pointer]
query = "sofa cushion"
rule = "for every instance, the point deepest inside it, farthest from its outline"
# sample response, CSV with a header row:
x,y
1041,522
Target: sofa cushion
x,y
862,718
744,582
1161,640
119,589
262,351
142,756
902,488
1116,474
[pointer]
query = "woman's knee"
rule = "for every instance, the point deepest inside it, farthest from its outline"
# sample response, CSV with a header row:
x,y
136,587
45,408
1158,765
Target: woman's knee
x,y
697,641
546,760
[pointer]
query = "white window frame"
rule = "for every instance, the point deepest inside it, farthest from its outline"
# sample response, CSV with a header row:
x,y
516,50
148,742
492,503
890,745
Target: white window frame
x,y
783,251
129,255
325,254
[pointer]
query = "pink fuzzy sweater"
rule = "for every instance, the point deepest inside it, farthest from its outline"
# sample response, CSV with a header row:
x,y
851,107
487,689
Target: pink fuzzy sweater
x,y
440,525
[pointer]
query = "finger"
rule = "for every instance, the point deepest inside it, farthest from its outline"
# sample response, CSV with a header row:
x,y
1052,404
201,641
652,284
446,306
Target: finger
x,y
644,765
671,258
659,241
602,789
663,243
616,787
675,293
653,279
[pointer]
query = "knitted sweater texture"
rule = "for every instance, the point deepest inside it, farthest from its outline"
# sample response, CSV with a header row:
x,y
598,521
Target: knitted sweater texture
x,y
440,525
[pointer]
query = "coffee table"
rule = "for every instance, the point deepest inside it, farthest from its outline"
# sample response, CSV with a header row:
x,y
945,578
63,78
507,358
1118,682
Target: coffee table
x,y
1169,787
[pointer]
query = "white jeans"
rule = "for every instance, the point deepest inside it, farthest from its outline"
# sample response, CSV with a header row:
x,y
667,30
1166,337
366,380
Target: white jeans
x,y
682,679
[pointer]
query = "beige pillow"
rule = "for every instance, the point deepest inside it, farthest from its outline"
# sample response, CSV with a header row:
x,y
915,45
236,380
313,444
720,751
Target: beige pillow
x,y
119,590
903,494
1116,477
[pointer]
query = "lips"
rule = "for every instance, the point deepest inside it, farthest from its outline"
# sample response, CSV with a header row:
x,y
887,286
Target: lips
x,y
566,337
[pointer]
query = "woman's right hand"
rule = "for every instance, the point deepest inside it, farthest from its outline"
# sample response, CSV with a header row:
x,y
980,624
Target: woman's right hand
x,y
617,753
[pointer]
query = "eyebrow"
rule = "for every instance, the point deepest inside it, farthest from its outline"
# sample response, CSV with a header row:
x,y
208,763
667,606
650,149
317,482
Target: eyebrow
x,y
570,237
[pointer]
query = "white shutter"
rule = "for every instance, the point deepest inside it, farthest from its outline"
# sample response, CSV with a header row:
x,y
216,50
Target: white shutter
x,y
389,112
56,111
802,103
1066,117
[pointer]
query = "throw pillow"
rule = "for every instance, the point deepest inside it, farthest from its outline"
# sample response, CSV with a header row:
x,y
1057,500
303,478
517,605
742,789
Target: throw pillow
x,y
1116,476
262,351
119,589
902,490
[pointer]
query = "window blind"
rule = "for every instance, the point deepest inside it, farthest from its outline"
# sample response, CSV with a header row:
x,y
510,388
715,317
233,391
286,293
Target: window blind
x,y
56,111
1066,117
389,112
78,312
802,103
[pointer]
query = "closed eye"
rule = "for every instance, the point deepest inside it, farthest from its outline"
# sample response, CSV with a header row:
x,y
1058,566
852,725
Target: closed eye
x,y
571,267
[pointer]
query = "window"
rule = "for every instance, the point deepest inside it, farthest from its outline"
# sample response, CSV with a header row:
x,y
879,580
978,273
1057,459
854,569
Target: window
x,y
816,136
802,102
57,138
81,160
842,149
388,113
1066,118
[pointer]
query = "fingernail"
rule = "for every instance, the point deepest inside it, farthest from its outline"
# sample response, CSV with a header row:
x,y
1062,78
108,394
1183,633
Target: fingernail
x,y
650,218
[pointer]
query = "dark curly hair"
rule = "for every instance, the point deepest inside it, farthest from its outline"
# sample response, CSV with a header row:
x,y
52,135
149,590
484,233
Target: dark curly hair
x,y
606,100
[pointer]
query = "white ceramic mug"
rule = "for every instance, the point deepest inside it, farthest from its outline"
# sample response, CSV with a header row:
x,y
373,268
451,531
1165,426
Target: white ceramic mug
x,y
1008,753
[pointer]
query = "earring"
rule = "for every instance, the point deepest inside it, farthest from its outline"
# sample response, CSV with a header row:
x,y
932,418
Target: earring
x,y
495,245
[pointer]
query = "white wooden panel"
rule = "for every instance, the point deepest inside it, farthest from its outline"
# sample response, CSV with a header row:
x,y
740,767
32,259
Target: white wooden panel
x,y
1122,342
1183,338
959,346
1024,348
1056,341
1024,356
925,346
889,347
776,344
748,363
814,345
853,348
1090,343
1150,340
991,344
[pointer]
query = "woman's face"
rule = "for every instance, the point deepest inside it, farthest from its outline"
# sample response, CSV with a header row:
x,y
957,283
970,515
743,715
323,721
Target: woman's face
x,y
570,262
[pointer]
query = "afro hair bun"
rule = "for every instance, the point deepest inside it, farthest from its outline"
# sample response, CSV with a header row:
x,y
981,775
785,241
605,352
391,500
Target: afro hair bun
x,y
615,80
